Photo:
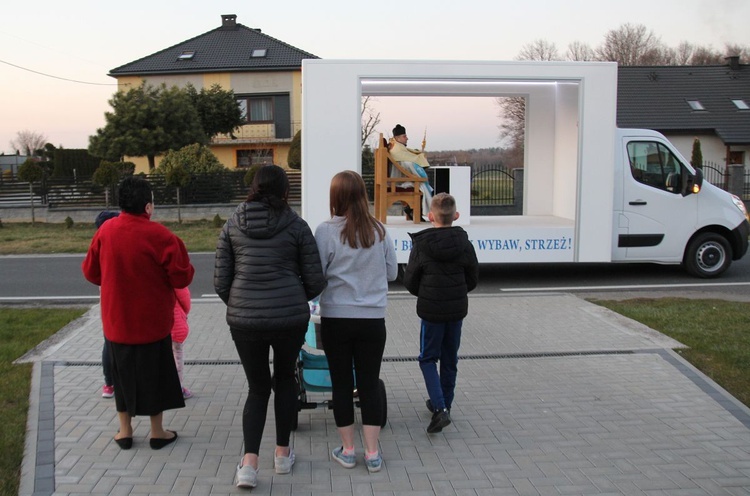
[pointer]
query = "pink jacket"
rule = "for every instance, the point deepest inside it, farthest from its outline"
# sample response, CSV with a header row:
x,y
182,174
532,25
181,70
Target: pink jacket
x,y
180,329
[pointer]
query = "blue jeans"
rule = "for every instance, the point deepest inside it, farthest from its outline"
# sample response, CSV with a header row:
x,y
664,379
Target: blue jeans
x,y
439,342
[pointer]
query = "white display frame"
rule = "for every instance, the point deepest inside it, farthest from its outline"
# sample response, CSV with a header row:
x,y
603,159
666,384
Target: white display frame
x,y
569,152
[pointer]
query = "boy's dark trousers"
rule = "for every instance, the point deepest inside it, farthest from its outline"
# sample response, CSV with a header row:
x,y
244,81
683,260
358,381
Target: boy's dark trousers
x,y
439,342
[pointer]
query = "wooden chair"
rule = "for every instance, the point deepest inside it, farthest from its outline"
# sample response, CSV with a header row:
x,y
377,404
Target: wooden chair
x,y
387,189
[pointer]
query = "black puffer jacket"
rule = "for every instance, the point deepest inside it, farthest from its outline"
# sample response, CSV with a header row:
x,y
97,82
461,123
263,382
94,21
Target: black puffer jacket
x,y
442,269
267,268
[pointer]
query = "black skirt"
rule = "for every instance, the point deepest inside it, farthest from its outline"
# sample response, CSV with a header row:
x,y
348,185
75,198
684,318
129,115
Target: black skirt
x,y
145,378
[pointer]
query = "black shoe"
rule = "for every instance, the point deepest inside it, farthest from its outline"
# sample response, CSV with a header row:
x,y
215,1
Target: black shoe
x,y
428,403
158,443
125,443
439,420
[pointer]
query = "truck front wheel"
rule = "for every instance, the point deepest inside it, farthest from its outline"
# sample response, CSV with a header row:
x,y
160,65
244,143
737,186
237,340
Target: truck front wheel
x,y
708,255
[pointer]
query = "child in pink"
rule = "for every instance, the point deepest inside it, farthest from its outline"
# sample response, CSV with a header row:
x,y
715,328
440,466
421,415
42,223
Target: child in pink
x,y
180,331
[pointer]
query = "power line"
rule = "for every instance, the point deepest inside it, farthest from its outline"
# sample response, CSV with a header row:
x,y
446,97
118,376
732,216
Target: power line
x,y
57,77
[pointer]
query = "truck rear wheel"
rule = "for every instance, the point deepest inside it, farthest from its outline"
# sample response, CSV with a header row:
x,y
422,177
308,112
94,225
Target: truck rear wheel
x,y
708,255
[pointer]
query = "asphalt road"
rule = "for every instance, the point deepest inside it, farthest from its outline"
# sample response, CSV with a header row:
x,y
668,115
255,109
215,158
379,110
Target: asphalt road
x,y
38,279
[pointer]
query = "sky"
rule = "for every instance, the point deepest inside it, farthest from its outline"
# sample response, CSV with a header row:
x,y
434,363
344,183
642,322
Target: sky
x,y
55,56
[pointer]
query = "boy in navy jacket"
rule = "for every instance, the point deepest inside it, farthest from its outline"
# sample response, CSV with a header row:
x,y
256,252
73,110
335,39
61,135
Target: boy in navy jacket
x,y
442,269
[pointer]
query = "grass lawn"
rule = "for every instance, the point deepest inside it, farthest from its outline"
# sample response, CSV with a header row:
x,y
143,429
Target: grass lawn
x,y
21,329
24,238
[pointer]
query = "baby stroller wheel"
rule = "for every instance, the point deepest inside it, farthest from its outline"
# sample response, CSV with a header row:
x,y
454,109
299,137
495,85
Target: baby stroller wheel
x,y
383,402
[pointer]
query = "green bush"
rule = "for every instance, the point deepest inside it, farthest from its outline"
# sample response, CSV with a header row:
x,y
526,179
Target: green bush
x,y
696,158
73,162
218,222
196,158
251,174
68,222
294,160
30,171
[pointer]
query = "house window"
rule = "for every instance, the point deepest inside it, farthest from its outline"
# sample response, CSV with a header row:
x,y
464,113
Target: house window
x,y
741,104
186,55
696,105
737,158
257,156
259,53
257,109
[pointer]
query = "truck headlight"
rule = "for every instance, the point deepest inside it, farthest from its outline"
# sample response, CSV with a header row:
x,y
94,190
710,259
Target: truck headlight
x,y
740,204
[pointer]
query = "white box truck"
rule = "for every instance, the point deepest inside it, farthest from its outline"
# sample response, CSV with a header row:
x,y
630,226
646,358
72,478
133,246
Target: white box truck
x,y
592,192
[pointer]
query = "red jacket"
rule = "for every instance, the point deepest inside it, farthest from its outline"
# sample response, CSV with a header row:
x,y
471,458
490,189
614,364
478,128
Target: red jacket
x,y
180,328
137,263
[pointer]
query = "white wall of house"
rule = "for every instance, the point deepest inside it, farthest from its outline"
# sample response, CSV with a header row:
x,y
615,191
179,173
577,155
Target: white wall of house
x,y
712,148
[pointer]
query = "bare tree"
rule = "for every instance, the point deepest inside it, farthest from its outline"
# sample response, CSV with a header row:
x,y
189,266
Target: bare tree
x,y
705,56
513,117
538,50
29,142
734,50
370,120
513,109
578,51
631,44
682,55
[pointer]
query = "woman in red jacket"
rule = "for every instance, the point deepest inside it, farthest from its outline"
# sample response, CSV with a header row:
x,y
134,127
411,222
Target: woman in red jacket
x,y
138,264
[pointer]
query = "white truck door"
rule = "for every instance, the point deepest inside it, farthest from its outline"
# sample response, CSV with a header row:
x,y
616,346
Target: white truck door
x,y
657,220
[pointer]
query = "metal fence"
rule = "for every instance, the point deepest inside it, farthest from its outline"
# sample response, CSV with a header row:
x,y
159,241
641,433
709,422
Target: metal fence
x,y
718,175
491,185
226,187
715,174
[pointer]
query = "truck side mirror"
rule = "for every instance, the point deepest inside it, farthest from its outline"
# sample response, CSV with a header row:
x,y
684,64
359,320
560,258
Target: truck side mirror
x,y
693,182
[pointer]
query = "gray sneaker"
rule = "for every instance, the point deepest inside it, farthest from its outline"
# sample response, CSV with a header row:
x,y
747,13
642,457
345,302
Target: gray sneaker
x,y
246,476
346,461
283,464
374,464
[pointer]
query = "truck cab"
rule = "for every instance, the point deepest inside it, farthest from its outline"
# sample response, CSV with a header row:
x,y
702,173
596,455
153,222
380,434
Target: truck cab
x,y
664,212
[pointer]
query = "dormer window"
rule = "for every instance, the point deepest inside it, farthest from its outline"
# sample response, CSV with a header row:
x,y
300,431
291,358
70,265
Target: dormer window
x,y
696,105
186,55
741,104
259,53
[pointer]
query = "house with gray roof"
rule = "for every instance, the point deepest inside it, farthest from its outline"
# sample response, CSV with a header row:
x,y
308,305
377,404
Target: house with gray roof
x,y
264,73
711,103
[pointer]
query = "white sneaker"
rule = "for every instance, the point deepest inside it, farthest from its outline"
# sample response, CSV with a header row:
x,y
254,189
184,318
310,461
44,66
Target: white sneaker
x,y
283,464
246,476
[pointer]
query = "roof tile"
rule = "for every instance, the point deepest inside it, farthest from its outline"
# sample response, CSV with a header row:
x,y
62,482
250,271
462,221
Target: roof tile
x,y
655,97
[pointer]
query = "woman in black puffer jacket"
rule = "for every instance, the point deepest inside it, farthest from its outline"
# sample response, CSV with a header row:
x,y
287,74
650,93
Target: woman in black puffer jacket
x,y
267,268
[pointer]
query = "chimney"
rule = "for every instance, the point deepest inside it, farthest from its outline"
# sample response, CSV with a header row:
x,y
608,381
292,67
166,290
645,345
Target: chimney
x,y
733,61
229,21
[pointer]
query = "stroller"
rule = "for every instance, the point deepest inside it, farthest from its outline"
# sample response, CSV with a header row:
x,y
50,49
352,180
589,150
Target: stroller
x,y
313,375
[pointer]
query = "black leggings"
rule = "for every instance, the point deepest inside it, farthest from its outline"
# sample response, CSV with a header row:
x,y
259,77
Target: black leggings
x,y
254,356
361,342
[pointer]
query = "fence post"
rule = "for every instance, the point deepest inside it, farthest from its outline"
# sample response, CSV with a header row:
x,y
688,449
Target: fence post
x,y
736,179
518,191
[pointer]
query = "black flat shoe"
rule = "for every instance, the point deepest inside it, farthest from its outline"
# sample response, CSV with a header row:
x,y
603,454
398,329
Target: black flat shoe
x,y
158,443
125,442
